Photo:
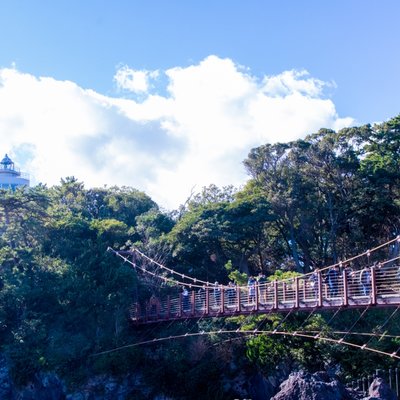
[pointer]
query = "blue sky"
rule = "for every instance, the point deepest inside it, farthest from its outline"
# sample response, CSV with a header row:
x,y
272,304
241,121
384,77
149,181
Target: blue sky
x,y
169,96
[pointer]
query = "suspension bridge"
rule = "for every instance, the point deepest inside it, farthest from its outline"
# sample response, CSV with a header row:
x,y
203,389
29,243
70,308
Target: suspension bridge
x,y
368,280
375,282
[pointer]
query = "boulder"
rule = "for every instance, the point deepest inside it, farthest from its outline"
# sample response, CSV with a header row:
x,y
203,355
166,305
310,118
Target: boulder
x,y
380,390
317,386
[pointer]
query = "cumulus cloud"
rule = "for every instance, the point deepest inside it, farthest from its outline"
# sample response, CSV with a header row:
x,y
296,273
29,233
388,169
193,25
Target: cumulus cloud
x,y
134,80
196,133
291,82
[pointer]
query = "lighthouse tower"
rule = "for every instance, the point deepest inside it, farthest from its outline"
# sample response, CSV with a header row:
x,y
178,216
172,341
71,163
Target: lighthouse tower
x,y
10,176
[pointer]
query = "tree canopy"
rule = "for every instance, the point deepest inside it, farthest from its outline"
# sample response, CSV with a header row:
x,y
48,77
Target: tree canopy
x,y
307,203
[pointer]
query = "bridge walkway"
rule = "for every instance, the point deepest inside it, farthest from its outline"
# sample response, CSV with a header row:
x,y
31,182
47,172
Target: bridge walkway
x,y
375,286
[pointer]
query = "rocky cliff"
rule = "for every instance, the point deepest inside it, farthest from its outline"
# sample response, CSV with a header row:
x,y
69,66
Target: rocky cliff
x,y
298,386
320,386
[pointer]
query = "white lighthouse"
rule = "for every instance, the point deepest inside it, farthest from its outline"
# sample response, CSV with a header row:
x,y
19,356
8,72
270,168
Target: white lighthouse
x,y
10,176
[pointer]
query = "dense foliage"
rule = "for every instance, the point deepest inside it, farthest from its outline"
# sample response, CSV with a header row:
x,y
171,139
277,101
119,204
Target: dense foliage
x,y
307,203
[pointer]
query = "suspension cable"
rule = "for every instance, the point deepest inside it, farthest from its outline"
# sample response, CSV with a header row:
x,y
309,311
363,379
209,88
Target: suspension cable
x,y
199,283
252,332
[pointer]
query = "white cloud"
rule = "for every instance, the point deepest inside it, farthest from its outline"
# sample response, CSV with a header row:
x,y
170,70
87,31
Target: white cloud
x,y
196,134
134,80
291,82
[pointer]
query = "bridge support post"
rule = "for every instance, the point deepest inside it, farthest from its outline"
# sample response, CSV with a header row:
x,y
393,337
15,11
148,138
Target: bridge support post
x,y
180,305
296,292
283,291
373,286
320,300
222,299
345,289
238,299
193,300
207,294
276,298
257,297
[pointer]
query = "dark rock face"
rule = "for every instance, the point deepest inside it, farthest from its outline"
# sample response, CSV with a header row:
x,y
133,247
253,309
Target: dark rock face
x,y
380,390
260,388
48,386
109,388
5,380
298,386
45,386
318,386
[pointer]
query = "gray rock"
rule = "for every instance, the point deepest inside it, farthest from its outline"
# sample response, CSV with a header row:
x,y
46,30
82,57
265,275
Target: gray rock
x,y
380,390
318,386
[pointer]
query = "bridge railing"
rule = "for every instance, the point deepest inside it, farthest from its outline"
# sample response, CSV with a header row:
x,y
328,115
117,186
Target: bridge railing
x,y
330,288
391,377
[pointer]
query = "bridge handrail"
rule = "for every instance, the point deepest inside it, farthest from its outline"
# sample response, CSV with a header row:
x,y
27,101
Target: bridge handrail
x,y
374,285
